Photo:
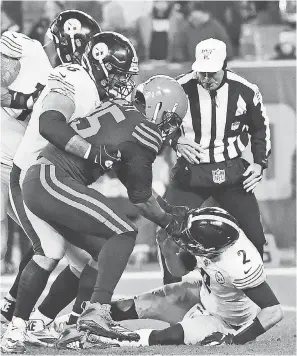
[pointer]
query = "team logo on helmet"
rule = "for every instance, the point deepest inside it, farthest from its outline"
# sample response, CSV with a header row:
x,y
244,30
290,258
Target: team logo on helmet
x,y
72,27
100,51
220,278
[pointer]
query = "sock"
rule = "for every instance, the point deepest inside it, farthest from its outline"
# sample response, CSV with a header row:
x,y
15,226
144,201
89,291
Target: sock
x,y
39,316
25,260
112,261
173,335
123,310
32,283
62,292
86,286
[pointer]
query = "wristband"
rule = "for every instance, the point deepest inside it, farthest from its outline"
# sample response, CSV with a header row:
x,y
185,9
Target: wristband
x,y
249,333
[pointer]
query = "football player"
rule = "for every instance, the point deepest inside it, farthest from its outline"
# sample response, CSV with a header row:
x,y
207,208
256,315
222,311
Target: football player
x,y
62,179
24,71
231,304
62,31
70,31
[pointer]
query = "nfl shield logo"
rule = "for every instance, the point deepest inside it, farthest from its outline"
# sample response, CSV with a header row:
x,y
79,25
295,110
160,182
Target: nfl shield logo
x,y
219,176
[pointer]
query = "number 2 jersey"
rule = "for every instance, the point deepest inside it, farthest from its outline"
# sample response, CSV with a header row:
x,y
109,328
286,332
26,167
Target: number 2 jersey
x,y
117,123
224,280
71,81
34,70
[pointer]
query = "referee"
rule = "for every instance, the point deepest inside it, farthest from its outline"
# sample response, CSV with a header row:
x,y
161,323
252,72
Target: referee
x,y
224,111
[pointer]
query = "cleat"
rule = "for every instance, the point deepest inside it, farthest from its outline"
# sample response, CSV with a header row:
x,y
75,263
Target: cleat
x,y
70,338
40,335
7,310
13,340
73,339
96,319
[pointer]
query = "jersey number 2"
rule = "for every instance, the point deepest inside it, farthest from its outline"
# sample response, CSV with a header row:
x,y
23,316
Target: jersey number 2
x,y
89,126
243,253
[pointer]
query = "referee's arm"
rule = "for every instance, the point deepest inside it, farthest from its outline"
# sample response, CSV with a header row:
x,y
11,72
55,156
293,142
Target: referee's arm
x,y
259,130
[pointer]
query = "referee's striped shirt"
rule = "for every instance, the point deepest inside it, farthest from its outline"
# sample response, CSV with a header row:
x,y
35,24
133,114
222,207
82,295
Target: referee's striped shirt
x,y
222,123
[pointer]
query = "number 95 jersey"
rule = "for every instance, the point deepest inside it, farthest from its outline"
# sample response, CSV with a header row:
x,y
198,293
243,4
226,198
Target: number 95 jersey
x,y
224,279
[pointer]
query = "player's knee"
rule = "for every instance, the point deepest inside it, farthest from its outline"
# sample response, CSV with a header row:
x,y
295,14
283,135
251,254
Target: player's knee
x,y
49,264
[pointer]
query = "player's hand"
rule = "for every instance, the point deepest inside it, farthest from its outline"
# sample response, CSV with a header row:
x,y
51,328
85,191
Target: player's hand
x,y
254,174
190,150
217,338
105,156
175,227
179,210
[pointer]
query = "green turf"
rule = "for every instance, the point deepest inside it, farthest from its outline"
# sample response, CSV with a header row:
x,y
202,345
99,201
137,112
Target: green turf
x,y
280,340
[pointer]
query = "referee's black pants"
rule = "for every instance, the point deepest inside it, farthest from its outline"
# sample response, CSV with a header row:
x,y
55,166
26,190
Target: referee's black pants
x,y
234,199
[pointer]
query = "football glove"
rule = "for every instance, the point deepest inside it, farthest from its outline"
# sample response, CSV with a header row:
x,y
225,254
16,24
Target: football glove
x,y
104,156
217,338
175,227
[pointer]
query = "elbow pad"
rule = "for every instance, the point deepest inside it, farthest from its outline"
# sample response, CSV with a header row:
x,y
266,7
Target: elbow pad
x,y
53,127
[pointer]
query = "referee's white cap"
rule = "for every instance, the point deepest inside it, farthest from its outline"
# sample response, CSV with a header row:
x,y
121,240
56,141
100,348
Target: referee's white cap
x,y
210,56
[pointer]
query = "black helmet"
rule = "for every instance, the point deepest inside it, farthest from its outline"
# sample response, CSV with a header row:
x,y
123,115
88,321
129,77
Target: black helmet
x,y
71,31
111,60
209,231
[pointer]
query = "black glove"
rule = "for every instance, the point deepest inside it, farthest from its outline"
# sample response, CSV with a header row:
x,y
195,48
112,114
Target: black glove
x,y
179,210
172,209
104,156
217,338
175,227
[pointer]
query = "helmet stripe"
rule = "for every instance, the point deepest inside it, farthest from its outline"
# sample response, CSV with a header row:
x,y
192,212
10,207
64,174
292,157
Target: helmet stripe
x,y
213,217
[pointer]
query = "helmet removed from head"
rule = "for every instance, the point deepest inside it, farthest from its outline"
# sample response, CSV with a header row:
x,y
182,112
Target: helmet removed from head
x,y
209,231
71,30
164,102
111,60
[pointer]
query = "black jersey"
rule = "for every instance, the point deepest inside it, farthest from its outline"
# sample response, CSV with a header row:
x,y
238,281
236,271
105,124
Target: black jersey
x,y
120,124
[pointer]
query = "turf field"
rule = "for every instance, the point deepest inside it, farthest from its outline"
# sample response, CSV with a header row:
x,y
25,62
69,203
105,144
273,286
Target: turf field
x,y
280,340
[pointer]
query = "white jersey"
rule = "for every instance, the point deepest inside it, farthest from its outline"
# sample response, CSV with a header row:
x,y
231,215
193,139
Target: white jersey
x,y
237,268
70,80
34,69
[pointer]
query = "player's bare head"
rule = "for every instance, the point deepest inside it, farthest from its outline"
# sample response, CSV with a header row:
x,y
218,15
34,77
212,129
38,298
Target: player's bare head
x,y
111,60
208,232
164,102
71,31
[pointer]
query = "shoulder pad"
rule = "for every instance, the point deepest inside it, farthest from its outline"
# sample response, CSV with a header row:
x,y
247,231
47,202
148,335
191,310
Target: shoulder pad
x,y
147,134
11,44
62,80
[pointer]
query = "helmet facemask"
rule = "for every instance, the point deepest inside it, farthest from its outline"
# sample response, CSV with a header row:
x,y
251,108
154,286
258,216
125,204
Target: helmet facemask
x,y
120,85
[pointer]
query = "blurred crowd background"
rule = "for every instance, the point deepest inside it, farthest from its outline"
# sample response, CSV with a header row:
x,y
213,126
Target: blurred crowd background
x,y
261,46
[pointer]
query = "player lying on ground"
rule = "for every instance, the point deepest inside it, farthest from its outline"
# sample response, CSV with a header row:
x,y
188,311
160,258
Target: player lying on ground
x,y
231,304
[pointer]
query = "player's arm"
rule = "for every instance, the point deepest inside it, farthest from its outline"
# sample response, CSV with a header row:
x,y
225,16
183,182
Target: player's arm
x,y
57,109
178,261
10,68
270,314
135,172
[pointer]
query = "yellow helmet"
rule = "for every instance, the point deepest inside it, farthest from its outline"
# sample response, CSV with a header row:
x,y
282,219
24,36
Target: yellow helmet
x,y
164,102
